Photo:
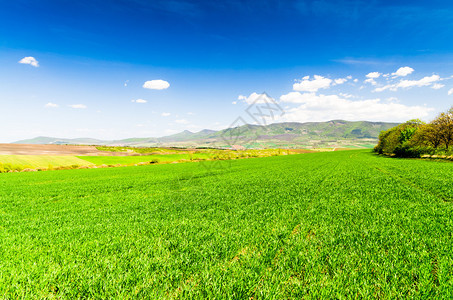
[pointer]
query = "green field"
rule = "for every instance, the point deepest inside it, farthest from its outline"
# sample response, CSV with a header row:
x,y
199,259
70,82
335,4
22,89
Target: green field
x,y
345,224
41,161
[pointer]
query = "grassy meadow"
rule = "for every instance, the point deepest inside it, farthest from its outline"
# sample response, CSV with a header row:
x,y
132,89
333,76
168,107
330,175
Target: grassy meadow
x,y
347,224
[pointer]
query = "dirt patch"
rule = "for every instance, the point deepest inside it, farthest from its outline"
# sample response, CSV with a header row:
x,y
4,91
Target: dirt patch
x,y
30,149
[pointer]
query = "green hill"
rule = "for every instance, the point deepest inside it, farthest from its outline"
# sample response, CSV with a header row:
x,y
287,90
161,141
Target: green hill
x,y
335,133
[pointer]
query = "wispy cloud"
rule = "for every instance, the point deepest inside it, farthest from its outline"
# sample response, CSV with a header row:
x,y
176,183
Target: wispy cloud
x,y
139,101
78,106
425,81
51,105
437,86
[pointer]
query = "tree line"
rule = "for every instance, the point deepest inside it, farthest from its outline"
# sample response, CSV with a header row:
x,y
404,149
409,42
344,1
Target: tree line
x,y
415,138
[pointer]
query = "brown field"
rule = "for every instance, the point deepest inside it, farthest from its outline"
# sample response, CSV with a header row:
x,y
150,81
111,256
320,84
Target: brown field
x,y
32,149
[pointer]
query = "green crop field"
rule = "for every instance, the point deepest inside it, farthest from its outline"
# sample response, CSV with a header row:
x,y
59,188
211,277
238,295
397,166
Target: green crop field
x,y
345,224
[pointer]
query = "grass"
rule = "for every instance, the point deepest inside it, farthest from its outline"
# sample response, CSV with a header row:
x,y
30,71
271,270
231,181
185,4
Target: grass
x,y
344,224
41,161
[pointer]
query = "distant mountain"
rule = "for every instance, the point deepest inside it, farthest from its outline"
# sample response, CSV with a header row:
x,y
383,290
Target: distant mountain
x,y
52,140
335,133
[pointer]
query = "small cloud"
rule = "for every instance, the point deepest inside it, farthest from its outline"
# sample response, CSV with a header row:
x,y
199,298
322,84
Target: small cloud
x,y
156,84
347,96
371,80
165,114
182,121
29,60
234,102
356,80
450,92
392,99
340,80
139,101
437,86
79,106
256,98
307,85
126,82
373,75
403,71
50,104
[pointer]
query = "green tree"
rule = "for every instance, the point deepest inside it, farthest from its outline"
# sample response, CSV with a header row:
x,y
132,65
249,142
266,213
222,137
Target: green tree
x,y
444,124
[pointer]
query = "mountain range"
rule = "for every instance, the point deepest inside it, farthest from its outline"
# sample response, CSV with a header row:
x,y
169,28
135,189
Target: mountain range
x,y
335,133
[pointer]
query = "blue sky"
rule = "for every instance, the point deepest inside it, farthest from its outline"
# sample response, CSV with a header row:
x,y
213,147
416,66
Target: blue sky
x,y
77,68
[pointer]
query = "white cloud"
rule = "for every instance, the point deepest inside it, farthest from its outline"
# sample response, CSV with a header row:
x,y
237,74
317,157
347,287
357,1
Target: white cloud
x,y
139,101
29,60
182,121
126,82
390,99
403,71
370,80
78,106
340,80
234,102
356,80
425,81
327,107
50,104
157,84
450,92
307,85
373,75
428,80
256,98
346,95
165,114
437,86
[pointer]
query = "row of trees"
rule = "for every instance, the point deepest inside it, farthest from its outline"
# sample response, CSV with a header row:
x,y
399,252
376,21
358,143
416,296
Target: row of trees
x,y
415,138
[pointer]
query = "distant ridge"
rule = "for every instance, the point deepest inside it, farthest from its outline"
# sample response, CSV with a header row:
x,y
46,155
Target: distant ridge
x,y
289,134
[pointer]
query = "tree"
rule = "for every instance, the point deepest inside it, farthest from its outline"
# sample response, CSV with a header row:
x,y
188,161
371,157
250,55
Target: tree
x,y
427,135
444,124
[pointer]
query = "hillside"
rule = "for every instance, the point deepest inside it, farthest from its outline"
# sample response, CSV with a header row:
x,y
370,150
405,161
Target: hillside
x,y
335,133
